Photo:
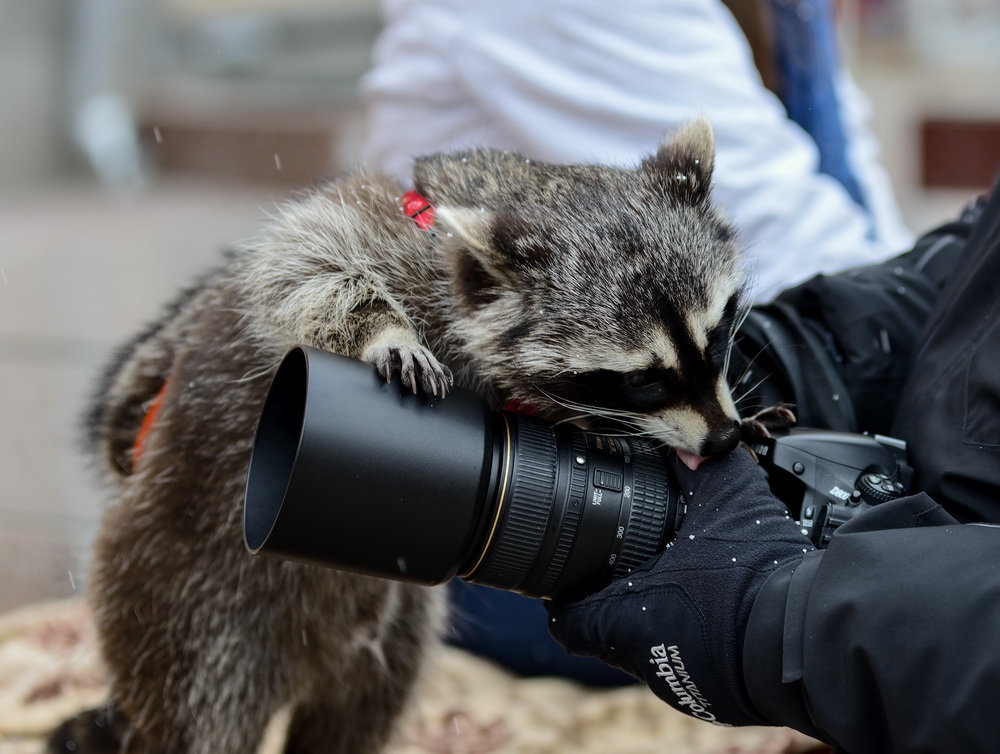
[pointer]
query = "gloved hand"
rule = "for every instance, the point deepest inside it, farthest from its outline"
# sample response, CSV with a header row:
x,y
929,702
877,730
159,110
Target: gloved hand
x,y
678,622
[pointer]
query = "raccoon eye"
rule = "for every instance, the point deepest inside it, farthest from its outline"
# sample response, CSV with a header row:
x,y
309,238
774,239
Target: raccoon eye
x,y
648,389
641,391
642,379
649,378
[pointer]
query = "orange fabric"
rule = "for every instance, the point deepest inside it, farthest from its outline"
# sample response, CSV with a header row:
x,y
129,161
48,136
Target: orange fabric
x,y
147,425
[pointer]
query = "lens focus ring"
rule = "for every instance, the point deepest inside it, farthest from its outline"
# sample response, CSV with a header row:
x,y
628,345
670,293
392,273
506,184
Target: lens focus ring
x,y
571,518
528,503
647,517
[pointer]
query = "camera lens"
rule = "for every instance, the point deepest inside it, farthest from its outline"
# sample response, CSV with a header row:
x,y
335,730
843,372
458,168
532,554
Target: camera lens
x,y
351,472
572,509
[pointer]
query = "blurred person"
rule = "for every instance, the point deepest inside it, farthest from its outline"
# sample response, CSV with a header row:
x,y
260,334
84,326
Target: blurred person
x,y
583,81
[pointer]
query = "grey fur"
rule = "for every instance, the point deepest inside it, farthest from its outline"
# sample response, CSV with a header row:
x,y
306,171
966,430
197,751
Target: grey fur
x,y
534,273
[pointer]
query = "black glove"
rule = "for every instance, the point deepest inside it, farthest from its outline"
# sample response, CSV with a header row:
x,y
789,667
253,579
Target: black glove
x,y
678,622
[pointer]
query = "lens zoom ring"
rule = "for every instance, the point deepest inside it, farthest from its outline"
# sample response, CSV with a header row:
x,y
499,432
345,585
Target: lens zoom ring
x,y
571,517
644,531
528,504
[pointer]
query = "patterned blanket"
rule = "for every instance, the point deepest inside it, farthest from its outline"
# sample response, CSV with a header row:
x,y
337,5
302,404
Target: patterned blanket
x,y
50,669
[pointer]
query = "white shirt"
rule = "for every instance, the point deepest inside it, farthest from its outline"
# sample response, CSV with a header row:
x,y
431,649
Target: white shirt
x,y
575,81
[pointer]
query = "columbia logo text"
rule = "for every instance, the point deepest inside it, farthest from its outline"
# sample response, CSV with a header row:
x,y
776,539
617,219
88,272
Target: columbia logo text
x,y
670,667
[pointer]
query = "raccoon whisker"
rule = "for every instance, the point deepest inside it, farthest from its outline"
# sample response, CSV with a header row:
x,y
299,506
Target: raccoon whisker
x,y
743,395
617,415
626,418
609,413
570,419
254,374
725,360
560,401
746,369
744,402
631,430
643,433
747,392
741,318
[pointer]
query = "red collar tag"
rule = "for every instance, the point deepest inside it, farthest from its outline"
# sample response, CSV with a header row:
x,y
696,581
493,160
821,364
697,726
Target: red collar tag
x,y
418,209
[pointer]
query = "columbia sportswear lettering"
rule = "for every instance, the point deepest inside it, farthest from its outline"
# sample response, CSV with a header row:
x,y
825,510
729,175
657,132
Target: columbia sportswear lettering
x,y
670,667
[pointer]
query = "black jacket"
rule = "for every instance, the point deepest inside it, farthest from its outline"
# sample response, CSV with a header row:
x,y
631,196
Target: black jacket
x,y
888,640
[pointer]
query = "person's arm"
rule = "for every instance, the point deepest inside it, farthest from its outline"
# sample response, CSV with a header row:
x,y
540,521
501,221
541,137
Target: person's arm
x,y
888,639
885,641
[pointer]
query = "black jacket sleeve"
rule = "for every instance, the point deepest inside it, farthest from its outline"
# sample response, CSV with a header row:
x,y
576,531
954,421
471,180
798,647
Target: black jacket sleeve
x,y
888,640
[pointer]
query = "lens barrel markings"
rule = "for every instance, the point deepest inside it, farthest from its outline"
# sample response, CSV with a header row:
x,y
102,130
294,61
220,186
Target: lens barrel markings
x,y
644,533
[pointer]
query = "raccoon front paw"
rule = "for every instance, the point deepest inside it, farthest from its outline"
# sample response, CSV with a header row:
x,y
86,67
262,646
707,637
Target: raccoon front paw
x,y
414,364
757,428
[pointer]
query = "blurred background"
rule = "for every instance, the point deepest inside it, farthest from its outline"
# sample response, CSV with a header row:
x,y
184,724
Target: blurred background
x,y
139,137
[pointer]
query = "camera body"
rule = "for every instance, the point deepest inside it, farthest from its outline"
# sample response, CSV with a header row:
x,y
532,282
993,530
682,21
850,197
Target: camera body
x,y
826,478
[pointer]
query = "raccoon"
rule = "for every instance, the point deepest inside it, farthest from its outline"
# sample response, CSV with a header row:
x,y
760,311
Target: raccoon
x,y
586,292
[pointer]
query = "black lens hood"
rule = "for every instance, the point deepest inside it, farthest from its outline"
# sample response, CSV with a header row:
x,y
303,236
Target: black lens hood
x,y
356,473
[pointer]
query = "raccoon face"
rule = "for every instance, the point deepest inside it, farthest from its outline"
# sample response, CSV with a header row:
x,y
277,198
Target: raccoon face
x,y
591,292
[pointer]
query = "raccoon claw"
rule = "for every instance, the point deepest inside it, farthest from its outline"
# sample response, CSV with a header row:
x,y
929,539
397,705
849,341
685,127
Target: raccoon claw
x,y
757,428
416,366
777,416
753,432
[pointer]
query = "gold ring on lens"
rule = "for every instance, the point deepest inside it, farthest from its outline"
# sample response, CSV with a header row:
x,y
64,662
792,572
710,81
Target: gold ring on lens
x,y
505,473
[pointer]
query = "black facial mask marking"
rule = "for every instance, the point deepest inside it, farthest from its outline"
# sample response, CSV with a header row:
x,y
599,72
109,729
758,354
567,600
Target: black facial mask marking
x,y
654,388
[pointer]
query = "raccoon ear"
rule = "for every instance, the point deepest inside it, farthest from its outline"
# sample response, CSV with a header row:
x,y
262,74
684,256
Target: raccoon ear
x,y
471,177
478,265
683,163
473,227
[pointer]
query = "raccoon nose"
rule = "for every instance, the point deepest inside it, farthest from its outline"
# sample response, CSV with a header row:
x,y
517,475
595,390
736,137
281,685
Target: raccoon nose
x,y
729,439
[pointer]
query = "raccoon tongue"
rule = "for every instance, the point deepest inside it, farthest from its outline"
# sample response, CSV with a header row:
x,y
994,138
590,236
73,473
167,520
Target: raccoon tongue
x,y
689,459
